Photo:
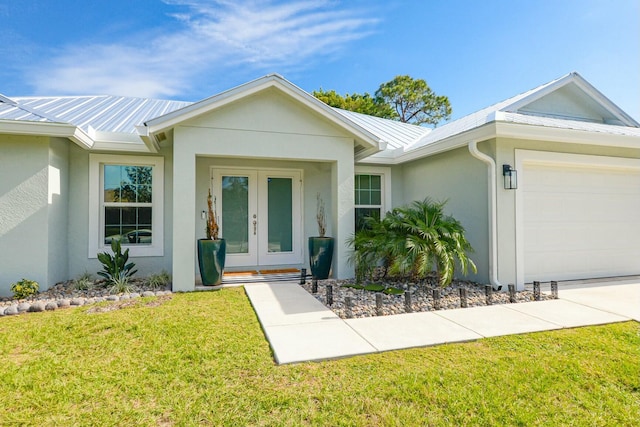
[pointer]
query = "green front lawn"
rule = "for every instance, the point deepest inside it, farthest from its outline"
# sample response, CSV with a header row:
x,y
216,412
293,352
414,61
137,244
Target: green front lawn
x,y
202,359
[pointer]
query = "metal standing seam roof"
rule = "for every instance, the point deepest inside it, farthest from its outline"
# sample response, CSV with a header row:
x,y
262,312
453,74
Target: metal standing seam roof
x,y
396,134
122,114
103,113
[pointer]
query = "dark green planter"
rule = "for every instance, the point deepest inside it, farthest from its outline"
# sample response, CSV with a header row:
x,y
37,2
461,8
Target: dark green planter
x,y
320,256
211,256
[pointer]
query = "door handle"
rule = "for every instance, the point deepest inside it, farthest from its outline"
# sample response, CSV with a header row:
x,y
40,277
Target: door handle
x,y
254,226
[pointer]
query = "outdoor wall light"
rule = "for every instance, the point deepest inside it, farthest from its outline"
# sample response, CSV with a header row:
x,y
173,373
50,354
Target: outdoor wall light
x,y
510,177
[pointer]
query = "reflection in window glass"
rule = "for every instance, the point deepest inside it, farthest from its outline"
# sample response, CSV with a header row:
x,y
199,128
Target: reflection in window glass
x,y
235,213
127,198
368,198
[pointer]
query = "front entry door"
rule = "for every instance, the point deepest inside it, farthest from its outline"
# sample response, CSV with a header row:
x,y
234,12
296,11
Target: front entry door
x,y
260,215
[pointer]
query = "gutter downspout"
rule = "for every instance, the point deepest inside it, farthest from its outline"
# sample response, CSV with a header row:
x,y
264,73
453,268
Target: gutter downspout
x,y
493,216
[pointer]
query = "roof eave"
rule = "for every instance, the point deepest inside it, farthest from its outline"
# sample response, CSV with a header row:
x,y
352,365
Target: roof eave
x,y
583,84
569,136
170,120
62,130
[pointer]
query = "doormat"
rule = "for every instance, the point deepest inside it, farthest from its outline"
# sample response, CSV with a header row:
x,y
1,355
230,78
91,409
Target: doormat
x,y
275,275
241,273
280,271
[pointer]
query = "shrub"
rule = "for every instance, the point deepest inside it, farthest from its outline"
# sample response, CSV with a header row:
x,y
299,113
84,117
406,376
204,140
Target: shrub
x,y
416,240
120,285
115,267
24,288
160,280
84,282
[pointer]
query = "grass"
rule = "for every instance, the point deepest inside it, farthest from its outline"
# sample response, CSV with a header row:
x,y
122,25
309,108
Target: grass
x,y
202,359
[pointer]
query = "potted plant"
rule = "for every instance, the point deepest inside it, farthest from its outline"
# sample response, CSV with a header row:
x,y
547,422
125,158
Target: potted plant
x,y
320,247
211,250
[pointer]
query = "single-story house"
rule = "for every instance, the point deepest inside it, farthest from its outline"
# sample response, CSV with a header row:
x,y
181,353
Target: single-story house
x,y
266,149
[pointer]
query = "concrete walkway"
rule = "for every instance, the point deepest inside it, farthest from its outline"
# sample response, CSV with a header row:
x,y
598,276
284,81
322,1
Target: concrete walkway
x,y
299,328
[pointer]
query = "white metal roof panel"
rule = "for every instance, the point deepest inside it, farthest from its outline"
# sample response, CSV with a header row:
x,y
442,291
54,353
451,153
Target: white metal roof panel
x,y
395,134
103,113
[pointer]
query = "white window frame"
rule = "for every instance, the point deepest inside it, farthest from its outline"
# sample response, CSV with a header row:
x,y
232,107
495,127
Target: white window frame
x,y
96,201
385,186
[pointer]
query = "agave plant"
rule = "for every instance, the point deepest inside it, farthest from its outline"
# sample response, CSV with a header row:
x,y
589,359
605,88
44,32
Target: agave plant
x,y
115,267
416,240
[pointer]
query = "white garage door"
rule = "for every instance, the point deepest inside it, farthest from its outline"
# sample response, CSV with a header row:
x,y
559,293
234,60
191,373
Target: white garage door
x,y
580,221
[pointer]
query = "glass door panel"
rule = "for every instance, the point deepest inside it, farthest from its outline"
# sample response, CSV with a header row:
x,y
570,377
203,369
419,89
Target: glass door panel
x,y
280,215
260,215
235,213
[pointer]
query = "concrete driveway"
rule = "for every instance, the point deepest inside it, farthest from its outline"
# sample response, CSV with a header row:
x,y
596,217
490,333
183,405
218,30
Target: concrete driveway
x,y
618,295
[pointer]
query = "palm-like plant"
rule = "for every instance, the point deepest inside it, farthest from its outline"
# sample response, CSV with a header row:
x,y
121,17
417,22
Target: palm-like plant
x,y
416,240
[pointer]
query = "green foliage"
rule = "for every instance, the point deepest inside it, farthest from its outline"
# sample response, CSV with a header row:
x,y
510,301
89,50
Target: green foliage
x,y
115,267
413,101
374,287
84,282
393,291
160,280
120,285
416,240
365,103
404,99
353,286
208,351
24,288
134,366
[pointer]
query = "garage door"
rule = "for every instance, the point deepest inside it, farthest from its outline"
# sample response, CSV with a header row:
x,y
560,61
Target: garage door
x,y
580,221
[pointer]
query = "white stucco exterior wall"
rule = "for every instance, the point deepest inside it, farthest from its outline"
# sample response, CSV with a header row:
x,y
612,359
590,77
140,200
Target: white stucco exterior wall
x,y
24,224
460,179
264,128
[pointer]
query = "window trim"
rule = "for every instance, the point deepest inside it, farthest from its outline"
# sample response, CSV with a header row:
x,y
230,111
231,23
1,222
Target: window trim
x,y
96,195
385,185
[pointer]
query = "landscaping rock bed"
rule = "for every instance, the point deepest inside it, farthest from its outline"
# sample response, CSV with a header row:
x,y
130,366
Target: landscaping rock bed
x,y
363,302
65,295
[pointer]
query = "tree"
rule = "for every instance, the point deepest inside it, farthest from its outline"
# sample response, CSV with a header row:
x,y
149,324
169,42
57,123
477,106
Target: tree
x,y
365,103
404,99
413,101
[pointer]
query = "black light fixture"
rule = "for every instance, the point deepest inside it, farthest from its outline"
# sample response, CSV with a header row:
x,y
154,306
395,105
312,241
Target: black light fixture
x,y
510,177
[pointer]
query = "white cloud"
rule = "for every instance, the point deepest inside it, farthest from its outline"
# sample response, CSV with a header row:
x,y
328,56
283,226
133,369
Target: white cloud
x,y
206,37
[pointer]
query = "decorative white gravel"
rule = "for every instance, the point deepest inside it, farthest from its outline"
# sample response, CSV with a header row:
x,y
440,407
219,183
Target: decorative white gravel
x,y
64,295
363,302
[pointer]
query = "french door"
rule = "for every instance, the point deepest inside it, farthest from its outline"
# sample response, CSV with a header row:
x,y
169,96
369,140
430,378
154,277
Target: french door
x,y
260,212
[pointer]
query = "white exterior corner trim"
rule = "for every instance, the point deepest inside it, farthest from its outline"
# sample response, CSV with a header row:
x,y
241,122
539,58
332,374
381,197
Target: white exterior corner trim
x,y
531,157
96,215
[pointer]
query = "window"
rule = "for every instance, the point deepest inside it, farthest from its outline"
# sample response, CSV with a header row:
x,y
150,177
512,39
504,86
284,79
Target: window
x,y
371,199
368,198
126,204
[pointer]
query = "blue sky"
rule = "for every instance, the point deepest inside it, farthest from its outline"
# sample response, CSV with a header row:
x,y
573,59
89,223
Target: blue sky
x,y
477,52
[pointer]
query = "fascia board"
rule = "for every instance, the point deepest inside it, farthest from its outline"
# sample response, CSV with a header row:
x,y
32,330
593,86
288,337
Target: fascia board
x,y
512,108
149,140
61,130
172,119
120,146
570,136
482,133
605,102
583,84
